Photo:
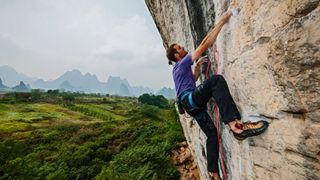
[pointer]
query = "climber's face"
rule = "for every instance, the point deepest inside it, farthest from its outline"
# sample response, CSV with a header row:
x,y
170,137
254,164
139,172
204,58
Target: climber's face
x,y
181,52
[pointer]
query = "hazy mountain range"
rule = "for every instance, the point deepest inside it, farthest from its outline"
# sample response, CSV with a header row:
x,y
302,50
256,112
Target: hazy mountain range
x,y
73,81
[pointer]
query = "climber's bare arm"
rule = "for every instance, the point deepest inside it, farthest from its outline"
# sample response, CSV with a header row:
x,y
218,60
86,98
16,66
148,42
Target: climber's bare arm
x,y
210,37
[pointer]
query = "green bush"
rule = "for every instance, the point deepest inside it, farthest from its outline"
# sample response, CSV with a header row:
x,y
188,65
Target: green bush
x,y
150,111
60,174
10,149
68,97
159,101
36,94
141,162
53,92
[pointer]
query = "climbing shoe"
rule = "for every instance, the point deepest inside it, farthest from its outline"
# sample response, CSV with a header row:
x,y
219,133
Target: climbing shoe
x,y
251,129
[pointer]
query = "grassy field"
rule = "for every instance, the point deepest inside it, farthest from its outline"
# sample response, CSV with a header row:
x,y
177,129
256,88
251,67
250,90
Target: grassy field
x,y
92,138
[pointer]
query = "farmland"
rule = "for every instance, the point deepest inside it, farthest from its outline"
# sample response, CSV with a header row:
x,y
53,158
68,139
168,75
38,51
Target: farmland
x,y
86,137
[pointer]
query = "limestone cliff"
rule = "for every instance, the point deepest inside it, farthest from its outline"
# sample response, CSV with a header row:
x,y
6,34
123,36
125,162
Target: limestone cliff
x,y
269,55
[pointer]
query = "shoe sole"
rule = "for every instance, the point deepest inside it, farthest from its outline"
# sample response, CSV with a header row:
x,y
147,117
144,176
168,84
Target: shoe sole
x,y
243,138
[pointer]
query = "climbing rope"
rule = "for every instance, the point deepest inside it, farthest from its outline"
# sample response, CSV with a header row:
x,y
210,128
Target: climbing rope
x,y
215,53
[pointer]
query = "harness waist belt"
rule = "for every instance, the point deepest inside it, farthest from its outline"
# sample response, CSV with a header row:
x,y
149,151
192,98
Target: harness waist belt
x,y
188,94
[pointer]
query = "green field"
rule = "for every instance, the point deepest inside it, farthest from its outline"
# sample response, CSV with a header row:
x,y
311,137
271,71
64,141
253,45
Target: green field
x,y
87,138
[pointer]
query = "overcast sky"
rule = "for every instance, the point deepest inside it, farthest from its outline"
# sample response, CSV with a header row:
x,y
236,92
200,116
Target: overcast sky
x,y
45,38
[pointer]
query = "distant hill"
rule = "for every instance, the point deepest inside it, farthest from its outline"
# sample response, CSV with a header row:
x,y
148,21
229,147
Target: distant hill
x,y
139,90
113,84
2,86
167,93
41,84
124,90
21,87
11,77
116,85
86,83
74,81
66,86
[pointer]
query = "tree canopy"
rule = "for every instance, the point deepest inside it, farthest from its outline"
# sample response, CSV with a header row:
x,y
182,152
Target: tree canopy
x,y
156,100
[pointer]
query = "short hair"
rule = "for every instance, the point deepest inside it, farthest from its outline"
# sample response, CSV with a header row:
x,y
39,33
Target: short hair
x,y
171,51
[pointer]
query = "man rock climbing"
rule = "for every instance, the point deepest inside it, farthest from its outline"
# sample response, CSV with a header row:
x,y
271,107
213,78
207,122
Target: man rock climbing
x,y
194,99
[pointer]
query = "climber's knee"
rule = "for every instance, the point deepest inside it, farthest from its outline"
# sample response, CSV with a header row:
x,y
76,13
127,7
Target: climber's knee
x,y
216,79
220,78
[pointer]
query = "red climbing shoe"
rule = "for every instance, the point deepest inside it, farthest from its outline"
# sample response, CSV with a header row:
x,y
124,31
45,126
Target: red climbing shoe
x,y
250,129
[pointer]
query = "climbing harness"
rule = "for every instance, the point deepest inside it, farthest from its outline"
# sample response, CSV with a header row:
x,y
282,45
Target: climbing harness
x,y
215,53
188,104
187,101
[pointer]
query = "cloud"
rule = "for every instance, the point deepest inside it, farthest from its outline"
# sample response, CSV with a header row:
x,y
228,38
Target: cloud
x,y
3,35
10,50
132,51
134,37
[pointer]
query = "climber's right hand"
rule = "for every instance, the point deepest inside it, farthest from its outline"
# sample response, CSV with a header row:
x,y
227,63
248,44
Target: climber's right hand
x,y
226,16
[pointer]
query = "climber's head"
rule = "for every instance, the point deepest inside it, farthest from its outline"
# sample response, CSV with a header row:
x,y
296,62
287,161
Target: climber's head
x,y
175,53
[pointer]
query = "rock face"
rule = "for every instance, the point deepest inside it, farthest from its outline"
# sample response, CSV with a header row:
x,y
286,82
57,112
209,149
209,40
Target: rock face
x,y
185,163
269,54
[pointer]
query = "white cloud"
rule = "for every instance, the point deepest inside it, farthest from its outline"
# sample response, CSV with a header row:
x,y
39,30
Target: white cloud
x,y
130,50
3,35
134,38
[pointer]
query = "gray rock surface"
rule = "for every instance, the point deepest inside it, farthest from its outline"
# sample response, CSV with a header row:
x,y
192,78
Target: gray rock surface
x,y
269,55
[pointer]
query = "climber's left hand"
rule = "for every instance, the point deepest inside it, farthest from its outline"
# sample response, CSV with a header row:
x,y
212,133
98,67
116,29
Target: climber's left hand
x,y
202,60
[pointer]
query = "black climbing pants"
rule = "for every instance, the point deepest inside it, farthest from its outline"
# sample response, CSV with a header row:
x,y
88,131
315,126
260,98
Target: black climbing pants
x,y
215,87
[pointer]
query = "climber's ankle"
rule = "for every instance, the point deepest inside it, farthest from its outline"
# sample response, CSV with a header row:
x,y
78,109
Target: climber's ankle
x,y
236,126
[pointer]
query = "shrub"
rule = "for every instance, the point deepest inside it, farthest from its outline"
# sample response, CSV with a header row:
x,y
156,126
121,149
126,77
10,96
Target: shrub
x,y
159,101
68,97
36,94
82,156
10,149
150,111
58,174
141,162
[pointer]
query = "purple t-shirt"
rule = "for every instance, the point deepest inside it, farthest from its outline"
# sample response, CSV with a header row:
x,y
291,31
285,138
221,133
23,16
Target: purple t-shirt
x,y
182,75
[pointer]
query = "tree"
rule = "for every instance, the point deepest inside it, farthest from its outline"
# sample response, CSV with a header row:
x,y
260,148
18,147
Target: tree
x,y
68,97
159,101
53,92
36,94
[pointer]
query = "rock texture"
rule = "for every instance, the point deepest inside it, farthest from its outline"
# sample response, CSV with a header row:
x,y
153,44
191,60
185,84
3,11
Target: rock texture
x,y
269,54
185,163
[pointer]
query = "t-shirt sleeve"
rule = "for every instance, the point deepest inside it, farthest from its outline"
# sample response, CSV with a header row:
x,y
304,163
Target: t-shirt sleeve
x,y
187,61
